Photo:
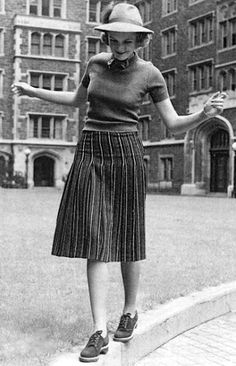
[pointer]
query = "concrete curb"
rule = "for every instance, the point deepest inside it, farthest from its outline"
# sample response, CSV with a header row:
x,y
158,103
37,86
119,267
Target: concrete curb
x,y
158,326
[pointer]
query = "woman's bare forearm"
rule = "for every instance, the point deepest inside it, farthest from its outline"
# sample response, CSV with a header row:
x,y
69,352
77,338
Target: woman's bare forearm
x,y
59,97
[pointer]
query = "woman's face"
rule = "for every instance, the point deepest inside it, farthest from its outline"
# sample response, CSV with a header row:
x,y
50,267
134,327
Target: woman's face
x,y
122,44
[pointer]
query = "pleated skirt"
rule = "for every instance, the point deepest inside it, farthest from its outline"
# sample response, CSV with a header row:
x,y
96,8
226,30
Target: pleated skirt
x,y
102,210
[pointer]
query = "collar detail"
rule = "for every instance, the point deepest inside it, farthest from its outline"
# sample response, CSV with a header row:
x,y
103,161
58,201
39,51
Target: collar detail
x,y
114,64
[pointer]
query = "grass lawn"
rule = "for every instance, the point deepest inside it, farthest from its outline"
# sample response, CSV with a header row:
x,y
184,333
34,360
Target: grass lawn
x,y
44,306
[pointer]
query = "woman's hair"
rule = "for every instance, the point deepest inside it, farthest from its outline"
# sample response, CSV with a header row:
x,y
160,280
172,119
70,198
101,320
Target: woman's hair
x,y
142,39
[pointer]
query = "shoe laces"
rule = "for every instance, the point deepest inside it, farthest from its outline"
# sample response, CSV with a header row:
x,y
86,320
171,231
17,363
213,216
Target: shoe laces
x,y
124,320
93,340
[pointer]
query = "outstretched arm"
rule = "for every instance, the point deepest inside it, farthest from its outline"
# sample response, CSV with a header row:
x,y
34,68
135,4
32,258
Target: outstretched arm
x,y
60,97
178,124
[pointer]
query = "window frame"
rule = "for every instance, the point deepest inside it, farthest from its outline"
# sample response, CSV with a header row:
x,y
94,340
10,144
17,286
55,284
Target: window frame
x,y
166,173
144,127
169,40
38,44
173,5
201,27
47,44
227,34
52,75
232,79
41,44
146,52
146,13
227,78
98,11
195,76
171,84
35,126
98,46
51,9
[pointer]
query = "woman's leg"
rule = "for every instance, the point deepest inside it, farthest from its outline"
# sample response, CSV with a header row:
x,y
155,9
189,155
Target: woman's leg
x,y
130,274
97,274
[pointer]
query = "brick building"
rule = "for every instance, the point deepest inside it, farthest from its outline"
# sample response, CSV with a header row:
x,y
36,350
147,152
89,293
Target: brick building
x,y
40,43
47,43
195,48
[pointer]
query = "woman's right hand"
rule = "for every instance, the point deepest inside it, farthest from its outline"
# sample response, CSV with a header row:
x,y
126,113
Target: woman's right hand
x,y
20,89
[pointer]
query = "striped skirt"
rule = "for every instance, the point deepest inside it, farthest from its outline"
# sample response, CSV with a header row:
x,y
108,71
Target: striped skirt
x,y
101,214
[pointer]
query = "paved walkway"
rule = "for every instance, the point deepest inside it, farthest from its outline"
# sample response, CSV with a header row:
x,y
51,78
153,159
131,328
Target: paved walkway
x,y
210,344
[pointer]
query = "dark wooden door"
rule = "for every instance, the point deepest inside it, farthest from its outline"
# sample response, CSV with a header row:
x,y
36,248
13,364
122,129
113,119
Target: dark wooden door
x,y
44,172
219,171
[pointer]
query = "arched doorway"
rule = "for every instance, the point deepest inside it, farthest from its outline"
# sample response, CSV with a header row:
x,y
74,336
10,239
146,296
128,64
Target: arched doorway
x,y
219,151
44,171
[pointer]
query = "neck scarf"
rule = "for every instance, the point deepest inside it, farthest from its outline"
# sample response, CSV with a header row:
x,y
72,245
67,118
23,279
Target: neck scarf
x,y
115,64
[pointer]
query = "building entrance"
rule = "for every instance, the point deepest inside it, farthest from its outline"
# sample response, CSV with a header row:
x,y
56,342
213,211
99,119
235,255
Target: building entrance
x,y
2,169
44,172
219,161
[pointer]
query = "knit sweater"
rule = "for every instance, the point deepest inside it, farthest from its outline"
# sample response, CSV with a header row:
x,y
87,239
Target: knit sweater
x,y
115,94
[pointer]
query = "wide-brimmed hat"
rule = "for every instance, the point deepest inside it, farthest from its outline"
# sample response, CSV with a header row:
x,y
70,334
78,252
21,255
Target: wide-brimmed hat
x,y
124,18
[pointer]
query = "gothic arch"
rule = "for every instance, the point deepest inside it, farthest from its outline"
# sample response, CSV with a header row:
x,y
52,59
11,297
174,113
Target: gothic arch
x,y
201,142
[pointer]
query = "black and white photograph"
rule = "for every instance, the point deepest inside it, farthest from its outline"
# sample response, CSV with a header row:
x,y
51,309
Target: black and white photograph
x,y
118,182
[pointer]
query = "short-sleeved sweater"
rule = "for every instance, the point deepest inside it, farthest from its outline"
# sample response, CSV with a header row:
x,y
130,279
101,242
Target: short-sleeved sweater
x,y
115,95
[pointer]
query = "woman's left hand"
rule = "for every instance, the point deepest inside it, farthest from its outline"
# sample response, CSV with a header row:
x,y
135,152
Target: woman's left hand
x,y
215,104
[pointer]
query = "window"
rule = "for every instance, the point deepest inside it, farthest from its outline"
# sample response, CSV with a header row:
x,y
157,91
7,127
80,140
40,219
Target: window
x,y
95,46
145,9
48,44
170,79
35,43
2,6
47,8
59,82
227,79
223,80
201,76
33,7
232,79
144,125
48,81
57,6
169,6
95,9
233,31
59,46
1,41
166,168
1,83
228,33
46,127
35,80
146,52
201,31
169,38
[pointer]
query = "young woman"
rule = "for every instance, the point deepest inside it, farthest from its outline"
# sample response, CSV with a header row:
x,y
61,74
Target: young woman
x,y
101,216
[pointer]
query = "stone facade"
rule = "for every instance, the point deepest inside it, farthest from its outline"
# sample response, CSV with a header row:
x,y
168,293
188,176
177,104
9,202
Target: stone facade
x,y
41,46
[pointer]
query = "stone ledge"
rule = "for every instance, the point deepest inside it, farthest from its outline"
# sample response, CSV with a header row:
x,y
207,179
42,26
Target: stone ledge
x,y
158,326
